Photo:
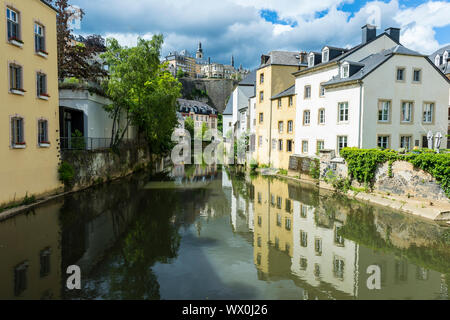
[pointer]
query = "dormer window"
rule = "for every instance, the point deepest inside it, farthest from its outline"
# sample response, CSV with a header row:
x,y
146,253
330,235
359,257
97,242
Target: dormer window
x,y
325,55
437,60
445,57
345,71
311,60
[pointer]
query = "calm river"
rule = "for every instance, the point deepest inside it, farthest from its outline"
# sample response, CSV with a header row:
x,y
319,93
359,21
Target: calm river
x,y
203,233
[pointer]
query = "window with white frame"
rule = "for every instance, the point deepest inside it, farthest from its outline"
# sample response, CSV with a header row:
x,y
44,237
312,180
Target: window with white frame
x,y
39,38
445,56
321,116
320,145
306,117
428,112
383,142
343,111
12,18
290,126
384,108
43,132
405,142
280,126
17,131
322,91
437,60
311,61
305,146
342,143
325,55
406,112
345,71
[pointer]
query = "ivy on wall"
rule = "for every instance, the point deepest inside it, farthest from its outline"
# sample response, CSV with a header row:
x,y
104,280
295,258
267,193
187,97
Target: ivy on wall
x,y
362,164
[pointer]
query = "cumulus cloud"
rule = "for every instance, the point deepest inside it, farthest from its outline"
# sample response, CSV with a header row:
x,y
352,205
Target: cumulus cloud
x,y
236,27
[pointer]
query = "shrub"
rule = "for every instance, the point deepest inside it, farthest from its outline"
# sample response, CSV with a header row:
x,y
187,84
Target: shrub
x,y
253,165
66,173
314,170
283,172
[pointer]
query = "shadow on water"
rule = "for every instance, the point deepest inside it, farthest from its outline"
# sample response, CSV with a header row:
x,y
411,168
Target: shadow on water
x,y
203,233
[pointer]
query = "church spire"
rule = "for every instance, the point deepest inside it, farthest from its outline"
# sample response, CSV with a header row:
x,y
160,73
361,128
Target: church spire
x,y
232,60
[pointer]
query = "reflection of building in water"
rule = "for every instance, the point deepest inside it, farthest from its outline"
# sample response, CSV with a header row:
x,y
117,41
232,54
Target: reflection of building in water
x,y
30,256
297,235
240,195
194,173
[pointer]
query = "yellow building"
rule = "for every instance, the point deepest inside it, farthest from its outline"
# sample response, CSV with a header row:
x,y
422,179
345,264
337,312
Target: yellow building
x,y
273,76
29,100
283,128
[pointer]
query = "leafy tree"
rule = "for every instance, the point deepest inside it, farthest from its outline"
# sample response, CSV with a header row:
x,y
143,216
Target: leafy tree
x,y
189,126
180,74
143,92
76,59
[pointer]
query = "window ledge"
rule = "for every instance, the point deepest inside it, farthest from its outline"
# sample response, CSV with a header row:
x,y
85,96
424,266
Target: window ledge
x,y
44,145
17,92
16,43
19,146
44,97
42,54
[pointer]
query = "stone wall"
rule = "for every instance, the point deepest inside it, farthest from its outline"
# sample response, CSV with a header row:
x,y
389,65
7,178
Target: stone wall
x,y
218,90
92,167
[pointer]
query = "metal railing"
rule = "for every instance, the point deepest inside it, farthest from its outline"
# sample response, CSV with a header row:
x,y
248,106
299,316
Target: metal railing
x,y
85,143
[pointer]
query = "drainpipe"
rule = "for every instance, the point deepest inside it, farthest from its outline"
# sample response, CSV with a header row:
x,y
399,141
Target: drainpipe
x,y
360,116
270,134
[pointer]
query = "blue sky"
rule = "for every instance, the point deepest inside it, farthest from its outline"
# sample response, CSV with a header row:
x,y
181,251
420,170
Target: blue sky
x,y
249,28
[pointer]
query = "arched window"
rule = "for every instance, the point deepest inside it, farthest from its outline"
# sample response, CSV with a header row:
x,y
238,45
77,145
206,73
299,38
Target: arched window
x,y
437,60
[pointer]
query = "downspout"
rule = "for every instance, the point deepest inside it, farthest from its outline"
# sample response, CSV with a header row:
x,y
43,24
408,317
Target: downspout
x,y
270,134
360,116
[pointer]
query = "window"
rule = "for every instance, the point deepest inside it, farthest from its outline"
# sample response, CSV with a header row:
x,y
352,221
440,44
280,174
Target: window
x,y
304,146
417,75
259,221
445,57
280,145
325,55
261,96
303,211
12,18
338,239
342,143
437,60
288,224
338,268
291,101
384,108
261,78
39,38
311,61
318,246
303,239
259,242
261,117
260,141
17,136
289,145
400,74
15,77
307,93
343,111
306,117
406,111
303,263
383,142
43,132
20,278
41,80
405,142
290,126
428,112
321,116
280,126
320,145
279,103
44,258
345,71
288,205
279,220
321,91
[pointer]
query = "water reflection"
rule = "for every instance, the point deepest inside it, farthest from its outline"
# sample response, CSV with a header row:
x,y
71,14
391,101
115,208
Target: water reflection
x,y
203,233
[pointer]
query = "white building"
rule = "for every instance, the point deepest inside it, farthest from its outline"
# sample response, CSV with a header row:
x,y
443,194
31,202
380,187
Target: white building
x,y
378,93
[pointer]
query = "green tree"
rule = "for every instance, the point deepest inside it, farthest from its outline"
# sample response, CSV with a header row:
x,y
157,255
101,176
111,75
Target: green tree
x,y
180,74
189,126
143,92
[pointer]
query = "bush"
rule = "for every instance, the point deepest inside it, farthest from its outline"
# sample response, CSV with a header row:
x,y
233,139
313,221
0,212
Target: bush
x,y
314,170
253,165
66,173
283,172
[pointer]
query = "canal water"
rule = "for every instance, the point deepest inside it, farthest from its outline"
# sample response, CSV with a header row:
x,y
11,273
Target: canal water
x,y
205,233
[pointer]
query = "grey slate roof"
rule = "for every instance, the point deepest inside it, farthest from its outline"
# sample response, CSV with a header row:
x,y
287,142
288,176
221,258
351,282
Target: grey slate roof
x,y
195,106
250,79
445,66
48,4
229,108
286,58
440,52
288,92
372,62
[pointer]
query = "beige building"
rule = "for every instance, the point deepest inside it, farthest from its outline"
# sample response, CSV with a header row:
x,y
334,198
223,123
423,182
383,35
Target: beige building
x,y
283,128
273,77
29,100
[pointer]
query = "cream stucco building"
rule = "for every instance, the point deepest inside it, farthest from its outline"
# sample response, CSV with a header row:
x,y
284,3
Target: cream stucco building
x,y
29,100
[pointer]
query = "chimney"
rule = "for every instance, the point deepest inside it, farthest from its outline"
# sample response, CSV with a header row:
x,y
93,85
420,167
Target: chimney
x,y
303,57
369,33
394,33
